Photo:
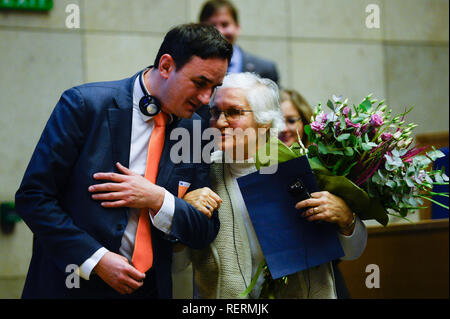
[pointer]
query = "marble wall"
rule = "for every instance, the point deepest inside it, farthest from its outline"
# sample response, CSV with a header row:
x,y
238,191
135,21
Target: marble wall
x,y
322,47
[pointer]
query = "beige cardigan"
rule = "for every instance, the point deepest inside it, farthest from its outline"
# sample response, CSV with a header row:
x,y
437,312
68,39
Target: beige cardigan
x,y
218,268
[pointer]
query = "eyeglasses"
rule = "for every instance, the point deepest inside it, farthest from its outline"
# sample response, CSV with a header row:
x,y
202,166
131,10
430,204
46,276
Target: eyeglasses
x,y
230,114
292,120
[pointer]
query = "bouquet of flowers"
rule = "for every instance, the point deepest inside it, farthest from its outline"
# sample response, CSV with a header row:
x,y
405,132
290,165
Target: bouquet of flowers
x,y
373,150
365,156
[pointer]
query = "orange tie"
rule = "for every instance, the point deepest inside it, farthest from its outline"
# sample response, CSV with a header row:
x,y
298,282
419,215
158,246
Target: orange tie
x,y
143,252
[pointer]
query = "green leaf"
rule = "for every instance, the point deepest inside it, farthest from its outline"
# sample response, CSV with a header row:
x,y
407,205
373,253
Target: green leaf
x,y
337,166
336,151
365,105
308,130
409,182
312,150
323,149
316,165
343,137
265,157
348,151
296,148
357,119
330,105
254,279
376,179
438,178
391,184
435,154
366,146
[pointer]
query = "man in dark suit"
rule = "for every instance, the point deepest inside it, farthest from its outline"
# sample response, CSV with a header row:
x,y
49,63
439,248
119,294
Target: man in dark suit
x,y
224,16
106,127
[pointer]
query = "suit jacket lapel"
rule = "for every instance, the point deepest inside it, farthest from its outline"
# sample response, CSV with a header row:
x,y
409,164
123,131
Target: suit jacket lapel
x,y
247,65
120,119
120,130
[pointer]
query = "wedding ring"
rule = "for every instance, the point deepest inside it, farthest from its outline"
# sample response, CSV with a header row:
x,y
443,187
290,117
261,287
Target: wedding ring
x,y
208,207
315,211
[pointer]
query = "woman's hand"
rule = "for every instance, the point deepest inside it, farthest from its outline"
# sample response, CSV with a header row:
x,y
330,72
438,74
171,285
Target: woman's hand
x,y
330,208
204,199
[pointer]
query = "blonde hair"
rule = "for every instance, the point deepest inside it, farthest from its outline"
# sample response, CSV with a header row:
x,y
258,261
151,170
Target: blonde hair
x,y
301,105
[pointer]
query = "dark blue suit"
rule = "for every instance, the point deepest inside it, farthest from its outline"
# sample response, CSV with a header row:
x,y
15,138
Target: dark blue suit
x,y
88,132
263,67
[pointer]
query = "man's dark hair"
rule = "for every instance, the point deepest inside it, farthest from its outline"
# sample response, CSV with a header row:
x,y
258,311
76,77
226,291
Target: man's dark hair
x,y
212,6
194,39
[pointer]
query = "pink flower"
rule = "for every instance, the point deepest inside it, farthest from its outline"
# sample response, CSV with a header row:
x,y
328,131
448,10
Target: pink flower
x,y
420,178
351,124
317,126
386,136
376,120
322,118
337,127
345,111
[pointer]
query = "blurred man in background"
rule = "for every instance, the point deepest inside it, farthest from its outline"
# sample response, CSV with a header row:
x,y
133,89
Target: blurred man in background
x,y
224,16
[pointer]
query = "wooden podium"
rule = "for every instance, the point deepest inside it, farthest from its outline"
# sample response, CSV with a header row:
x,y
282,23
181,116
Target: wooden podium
x,y
413,262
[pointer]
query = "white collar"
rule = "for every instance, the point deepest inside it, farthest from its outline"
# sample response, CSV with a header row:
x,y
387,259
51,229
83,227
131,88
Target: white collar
x,y
237,169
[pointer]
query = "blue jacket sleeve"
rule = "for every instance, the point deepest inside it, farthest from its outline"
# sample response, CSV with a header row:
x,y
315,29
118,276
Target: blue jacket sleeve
x,y
38,200
189,225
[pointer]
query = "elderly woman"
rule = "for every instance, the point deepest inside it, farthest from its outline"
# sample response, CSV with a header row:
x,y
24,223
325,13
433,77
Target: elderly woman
x,y
225,269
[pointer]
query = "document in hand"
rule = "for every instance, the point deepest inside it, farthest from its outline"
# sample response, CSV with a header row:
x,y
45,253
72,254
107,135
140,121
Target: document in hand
x,y
289,242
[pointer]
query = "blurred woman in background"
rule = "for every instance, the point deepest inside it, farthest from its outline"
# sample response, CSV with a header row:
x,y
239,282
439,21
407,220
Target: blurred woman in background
x,y
297,113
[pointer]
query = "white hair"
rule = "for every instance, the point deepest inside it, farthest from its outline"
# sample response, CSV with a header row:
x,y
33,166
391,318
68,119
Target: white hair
x,y
263,96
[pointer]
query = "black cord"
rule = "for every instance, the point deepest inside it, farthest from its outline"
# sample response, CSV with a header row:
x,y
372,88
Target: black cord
x,y
306,262
232,212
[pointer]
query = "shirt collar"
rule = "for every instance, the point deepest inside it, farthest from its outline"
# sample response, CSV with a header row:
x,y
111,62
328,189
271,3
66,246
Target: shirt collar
x,y
137,95
236,60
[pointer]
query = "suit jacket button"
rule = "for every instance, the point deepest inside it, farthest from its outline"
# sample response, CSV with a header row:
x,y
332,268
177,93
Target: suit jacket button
x,y
119,227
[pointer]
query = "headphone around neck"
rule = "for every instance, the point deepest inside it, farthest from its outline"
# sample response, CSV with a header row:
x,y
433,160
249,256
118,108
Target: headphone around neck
x,y
148,104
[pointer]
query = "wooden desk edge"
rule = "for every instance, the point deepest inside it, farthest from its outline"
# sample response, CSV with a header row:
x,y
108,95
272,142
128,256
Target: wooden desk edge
x,y
430,224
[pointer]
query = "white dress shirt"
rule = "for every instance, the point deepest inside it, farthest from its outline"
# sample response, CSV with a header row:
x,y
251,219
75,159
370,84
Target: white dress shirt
x,y
141,129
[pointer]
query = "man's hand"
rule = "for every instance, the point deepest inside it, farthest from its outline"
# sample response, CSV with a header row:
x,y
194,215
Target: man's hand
x,y
127,190
115,270
204,199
